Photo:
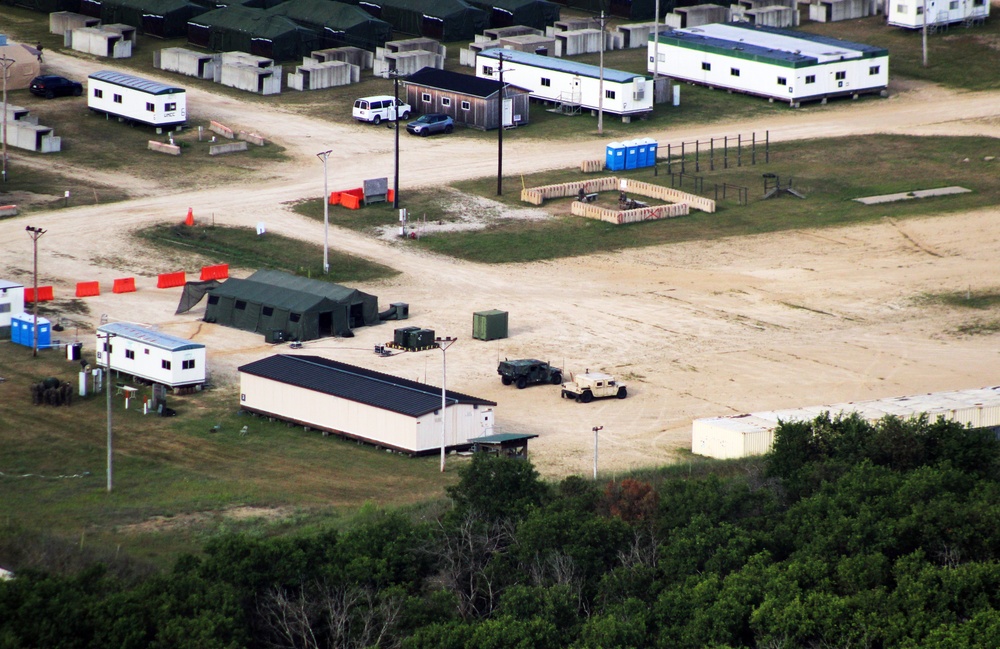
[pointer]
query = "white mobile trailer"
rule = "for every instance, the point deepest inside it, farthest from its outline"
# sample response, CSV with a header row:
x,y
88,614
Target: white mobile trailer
x,y
910,13
136,99
11,301
151,355
569,82
775,63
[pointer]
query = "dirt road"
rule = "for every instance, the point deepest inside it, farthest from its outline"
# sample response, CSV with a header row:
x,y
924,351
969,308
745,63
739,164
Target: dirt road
x,y
699,329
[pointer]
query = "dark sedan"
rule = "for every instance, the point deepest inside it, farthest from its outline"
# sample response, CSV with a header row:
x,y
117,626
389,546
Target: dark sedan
x,y
431,123
49,86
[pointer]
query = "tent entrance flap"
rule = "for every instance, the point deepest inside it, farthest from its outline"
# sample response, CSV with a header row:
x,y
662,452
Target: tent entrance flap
x,y
357,317
326,324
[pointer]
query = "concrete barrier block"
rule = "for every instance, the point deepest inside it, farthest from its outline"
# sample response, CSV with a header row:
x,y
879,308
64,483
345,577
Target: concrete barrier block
x,y
160,147
221,129
221,149
252,138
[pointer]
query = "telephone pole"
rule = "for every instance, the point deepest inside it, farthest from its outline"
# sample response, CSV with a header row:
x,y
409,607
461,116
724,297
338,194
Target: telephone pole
x,y
6,63
35,234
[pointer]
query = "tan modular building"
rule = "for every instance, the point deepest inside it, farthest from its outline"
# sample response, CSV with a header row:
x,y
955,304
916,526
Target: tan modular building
x,y
753,434
359,403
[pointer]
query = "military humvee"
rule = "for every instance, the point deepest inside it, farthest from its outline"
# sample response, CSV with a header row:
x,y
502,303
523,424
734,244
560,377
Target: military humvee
x,y
593,385
525,371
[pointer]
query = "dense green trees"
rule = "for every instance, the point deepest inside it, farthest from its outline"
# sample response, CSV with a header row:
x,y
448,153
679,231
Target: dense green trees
x,y
848,534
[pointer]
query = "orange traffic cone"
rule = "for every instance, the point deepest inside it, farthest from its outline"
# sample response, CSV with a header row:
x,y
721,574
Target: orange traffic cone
x,y
190,217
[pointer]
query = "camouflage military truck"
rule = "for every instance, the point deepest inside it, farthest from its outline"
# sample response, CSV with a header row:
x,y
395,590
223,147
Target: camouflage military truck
x,y
523,372
593,385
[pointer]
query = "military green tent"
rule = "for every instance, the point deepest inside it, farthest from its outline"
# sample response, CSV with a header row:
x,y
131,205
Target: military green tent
x,y
631,9
163,18
47,6
254,31
302,309
530,13
337,24
445,20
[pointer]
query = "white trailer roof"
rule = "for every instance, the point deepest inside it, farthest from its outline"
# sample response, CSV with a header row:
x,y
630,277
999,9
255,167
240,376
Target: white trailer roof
x,y
765,43
6,283
149,336
562,65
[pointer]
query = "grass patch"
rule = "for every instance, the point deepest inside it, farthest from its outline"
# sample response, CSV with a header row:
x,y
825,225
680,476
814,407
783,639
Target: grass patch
x,y
980,328
242,247
174,480
979,299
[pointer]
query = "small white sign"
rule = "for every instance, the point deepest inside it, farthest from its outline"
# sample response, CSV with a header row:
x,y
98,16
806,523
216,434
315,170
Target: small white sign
x,y
260,228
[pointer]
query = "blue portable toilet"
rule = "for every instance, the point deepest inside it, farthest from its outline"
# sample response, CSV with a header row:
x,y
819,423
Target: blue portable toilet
x,y
651,151
615,157
22,331
640,156
631,153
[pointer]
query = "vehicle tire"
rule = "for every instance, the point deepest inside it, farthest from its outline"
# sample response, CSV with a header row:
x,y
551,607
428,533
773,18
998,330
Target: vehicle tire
x,y
49,94
377,120
77,92
556,378
424,132
449,128
622,392
587,396
404,115
522,382
505,380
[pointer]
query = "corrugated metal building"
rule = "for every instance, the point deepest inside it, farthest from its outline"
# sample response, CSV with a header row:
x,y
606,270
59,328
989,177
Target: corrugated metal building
x,y
359,403
753,434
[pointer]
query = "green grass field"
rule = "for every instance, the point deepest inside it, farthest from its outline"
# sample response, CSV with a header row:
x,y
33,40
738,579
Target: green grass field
x,y
829,172
174,478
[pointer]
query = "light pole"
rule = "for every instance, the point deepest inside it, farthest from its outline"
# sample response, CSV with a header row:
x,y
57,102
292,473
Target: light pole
x,y
395,180
107,391
596,429
600,85
6,63
500,130
443,344
35,234
326,213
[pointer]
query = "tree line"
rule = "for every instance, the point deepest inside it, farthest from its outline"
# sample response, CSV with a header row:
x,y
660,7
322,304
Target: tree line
x,y
847,534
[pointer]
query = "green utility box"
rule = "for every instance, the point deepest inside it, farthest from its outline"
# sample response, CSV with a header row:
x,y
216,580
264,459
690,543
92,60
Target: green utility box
x,y
489,325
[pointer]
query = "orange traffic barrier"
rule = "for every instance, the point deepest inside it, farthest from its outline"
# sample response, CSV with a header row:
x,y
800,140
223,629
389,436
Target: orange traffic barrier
x,y
88,289
219,271
189,219
334,198
350,201
168,280
45,293
124,285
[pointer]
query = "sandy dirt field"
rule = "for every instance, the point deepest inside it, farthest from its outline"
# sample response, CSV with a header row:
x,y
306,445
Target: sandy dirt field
x,y
697,330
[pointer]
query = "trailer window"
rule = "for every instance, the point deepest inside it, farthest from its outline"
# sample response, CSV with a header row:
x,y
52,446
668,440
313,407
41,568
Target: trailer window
x,y
873,70
901,9
811,78
609,94
150,107
954,5
187,365
170,106
707,67
98,93
841,76
117,99
129,353
734,72
5,308
782,81
487,70
466,105
546,82
165,365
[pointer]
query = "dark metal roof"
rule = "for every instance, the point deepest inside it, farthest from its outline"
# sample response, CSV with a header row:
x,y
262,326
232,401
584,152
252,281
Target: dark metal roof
x,y
137,83
357,384
466,84
502,438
